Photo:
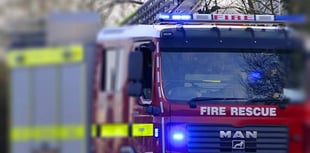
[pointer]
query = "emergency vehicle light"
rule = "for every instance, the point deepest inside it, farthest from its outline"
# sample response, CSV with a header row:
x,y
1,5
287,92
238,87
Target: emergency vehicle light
x,y
255,76
175,16
178,136
181,17
291,18
164,16
231,18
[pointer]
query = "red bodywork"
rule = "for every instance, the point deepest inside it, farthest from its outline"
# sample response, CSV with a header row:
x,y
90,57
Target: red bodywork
x,y
307,127
180,113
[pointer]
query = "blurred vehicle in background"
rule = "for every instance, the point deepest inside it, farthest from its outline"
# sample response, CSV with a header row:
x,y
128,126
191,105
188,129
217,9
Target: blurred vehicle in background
x,y
51,86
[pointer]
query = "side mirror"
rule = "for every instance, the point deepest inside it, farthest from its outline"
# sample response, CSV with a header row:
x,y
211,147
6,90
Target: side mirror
x,y
134,89
135,66
136,63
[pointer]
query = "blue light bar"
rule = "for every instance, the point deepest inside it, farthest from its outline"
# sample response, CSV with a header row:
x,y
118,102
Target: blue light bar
x,y
291,18
164,16
175,17
232,18
186,17
181,17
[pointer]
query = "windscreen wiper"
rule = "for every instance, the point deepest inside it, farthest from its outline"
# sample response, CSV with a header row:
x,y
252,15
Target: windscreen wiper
x,y
271,101
193,102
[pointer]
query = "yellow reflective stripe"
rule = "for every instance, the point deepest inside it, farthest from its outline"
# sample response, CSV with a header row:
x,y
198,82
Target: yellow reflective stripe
x,y
48,132
44,133
45,56
72,132
20,134
139,130
93,130
114,130
78,131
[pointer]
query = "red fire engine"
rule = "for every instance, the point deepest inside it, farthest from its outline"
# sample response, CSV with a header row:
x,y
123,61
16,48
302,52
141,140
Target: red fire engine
x,y
200,83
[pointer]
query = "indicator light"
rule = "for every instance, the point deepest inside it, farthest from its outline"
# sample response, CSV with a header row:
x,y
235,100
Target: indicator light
x,y
156,132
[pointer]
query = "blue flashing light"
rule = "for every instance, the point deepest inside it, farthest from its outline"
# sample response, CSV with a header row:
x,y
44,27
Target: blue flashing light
x,y
181,17
176,17
186,17
291,18
254,76
164,16
178,136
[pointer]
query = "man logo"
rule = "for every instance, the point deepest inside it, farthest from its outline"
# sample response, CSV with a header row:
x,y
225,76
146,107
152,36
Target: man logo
x,y
238,134
238,144
233,135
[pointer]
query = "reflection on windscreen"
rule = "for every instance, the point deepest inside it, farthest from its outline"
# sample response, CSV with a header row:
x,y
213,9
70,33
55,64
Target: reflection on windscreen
x,y
228,75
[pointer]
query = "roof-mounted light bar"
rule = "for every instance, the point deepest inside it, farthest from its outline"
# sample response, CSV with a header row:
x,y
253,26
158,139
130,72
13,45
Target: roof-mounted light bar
x,y
231,18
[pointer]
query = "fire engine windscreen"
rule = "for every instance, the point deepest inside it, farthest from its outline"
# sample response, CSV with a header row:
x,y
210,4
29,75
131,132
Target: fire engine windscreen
x,y
232,74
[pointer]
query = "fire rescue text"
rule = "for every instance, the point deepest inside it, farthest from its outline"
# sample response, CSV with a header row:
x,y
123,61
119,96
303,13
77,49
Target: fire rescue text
x,y
238,111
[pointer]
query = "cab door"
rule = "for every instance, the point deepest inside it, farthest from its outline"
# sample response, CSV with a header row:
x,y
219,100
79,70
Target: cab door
x,y
142,126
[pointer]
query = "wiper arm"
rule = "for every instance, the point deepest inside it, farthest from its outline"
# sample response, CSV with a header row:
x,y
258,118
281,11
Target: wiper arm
x,y
193,102
271,101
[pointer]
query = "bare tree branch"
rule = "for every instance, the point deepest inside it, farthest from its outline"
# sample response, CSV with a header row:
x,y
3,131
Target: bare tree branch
x,y
265,7
245,6
271,6
251,7
134,2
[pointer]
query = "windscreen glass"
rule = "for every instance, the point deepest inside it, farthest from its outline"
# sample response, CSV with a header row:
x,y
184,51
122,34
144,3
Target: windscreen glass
x,y
253,74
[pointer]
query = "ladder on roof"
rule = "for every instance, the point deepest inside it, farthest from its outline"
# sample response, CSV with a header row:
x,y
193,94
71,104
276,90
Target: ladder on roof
x,y
147,13
188,6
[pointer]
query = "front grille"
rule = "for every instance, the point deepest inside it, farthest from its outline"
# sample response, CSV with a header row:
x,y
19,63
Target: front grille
x,y
202,138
